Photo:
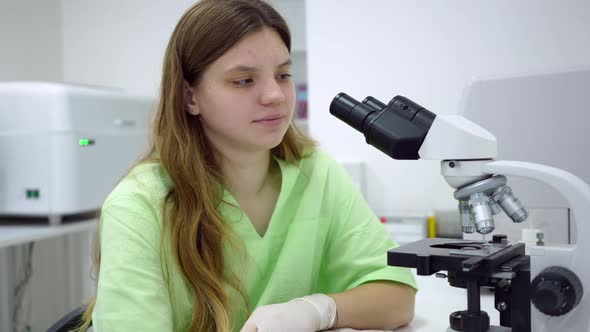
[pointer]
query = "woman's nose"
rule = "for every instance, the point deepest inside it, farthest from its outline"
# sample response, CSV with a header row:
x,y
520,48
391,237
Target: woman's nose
x,y
272,93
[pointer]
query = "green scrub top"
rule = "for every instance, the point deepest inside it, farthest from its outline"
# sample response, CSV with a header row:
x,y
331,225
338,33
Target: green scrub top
x,y
322,238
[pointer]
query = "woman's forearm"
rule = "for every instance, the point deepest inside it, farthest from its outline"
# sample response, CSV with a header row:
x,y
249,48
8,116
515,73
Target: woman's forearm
x,y
382,305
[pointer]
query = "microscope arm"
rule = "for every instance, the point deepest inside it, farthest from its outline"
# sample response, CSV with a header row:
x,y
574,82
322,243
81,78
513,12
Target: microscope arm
x,y
572,188
572,257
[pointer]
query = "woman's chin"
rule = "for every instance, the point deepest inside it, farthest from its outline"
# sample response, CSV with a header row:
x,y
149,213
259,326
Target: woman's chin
x,y
271,142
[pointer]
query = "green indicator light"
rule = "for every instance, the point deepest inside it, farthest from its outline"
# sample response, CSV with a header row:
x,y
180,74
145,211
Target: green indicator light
x,y
84,142
36,193
29,194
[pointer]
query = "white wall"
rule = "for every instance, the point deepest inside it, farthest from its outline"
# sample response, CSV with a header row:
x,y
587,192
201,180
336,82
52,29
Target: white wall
x,y
30,40
118,43
427,51
122,43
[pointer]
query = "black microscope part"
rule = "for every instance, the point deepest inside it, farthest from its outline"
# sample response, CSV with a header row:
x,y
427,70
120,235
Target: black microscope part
x,y
432,255
556,291
397,129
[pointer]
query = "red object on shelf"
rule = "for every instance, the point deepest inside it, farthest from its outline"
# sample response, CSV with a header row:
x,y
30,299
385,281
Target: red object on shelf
x,y
301,101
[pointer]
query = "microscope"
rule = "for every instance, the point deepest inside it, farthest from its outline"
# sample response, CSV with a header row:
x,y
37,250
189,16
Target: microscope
x,y
538,291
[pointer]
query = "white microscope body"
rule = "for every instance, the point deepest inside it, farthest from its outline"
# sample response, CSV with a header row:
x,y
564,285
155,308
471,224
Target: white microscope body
x,y
405,130
468,153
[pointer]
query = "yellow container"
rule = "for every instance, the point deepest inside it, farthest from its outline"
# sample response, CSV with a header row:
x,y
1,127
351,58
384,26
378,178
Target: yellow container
x,y
431,225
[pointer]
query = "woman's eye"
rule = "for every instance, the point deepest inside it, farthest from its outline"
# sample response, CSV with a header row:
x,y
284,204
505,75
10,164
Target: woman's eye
x,y
243,82
284,76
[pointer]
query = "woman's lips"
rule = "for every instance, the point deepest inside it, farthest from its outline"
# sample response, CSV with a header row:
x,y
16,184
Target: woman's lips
x,y
271,121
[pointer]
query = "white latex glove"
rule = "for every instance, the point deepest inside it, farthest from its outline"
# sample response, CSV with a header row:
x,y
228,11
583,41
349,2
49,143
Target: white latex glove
x,y
306,314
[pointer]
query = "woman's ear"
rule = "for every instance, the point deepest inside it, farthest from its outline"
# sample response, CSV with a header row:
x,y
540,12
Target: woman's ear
x,y
189,99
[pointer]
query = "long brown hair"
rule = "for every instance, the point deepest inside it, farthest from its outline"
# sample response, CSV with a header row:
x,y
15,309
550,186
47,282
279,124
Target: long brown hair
x,y
192,221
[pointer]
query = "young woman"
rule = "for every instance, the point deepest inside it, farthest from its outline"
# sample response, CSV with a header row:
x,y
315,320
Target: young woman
x,y
235,221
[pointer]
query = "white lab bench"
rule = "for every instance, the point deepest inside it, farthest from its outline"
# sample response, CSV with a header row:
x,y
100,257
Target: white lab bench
x,y
436,300
16,235
12,236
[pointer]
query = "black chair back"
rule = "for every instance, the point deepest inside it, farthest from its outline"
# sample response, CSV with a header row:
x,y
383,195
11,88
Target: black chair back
x,y
69,322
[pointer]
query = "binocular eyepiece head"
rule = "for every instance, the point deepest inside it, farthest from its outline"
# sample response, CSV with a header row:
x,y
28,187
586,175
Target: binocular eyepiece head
x,y
397,129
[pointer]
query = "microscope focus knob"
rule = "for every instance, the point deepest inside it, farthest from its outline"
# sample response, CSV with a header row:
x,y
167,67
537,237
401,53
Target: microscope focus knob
x,y
556,291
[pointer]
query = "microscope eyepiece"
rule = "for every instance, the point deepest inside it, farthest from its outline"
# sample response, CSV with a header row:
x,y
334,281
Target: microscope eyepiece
x,y
351,111
374,103
397,129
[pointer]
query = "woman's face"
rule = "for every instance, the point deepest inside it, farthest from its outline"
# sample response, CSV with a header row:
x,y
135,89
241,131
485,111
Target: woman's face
x,y
246,98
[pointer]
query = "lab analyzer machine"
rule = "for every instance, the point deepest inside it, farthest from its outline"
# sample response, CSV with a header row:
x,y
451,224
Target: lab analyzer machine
x,y
63,147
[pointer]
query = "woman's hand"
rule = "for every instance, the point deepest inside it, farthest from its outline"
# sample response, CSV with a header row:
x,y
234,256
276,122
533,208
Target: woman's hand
x,y
306,314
